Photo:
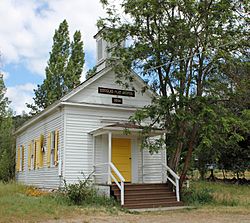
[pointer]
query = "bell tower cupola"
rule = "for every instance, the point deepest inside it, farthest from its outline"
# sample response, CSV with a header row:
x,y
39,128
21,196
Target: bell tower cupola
x,y
101,50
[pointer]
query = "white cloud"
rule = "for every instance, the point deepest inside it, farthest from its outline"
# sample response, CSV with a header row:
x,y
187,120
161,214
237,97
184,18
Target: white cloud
x,y
28,26
5,75
19,95
26,32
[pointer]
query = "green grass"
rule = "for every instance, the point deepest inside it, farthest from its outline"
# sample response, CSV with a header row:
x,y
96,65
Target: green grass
x,y
217,194
18,205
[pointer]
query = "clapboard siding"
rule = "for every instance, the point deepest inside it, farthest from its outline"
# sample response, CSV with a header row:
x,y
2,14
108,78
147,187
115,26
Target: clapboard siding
x,y
101,156
90,93
152,166
78,148
80,122
44,177
79,145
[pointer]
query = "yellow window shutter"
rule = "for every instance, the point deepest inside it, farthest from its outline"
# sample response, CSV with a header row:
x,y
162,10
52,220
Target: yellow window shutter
x,y
56,147
48,149
22,158
41,151
29,156
37,154
18,160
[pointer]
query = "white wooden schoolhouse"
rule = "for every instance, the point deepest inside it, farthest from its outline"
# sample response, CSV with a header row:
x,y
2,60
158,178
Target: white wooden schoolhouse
x,y
83,132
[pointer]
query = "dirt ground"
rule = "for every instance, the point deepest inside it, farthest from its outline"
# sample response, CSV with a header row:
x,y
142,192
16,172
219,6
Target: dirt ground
x,y
211,215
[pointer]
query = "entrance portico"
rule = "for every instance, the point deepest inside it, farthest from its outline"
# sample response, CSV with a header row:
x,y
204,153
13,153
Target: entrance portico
x,y
119,159
120,144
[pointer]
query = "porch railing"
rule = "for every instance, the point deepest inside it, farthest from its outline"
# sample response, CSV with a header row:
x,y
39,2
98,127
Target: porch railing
x,y
176,178
168,171
119,183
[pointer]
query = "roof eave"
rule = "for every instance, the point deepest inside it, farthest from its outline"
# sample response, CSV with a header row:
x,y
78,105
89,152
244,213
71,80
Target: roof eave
x,y
38,117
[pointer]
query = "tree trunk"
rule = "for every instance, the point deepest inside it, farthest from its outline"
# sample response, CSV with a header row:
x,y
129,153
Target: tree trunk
x,y
189,154
224,176
174,162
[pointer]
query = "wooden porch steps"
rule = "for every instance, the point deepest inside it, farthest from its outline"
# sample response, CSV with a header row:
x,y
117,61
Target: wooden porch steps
x,y
139,196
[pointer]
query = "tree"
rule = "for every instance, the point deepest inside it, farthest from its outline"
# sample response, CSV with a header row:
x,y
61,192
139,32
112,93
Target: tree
x,y
19,120
64,68
4,102
180,48
75,64
91,72
7,149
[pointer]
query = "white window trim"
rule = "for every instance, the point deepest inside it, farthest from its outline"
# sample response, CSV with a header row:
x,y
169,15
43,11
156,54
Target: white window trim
x,y
52,149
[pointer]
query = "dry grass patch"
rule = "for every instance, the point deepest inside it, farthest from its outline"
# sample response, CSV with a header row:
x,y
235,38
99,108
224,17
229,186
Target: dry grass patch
x,y
218,194
19,203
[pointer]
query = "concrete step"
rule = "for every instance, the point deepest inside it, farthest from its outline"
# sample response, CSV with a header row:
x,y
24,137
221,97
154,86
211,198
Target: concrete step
x,y
152,205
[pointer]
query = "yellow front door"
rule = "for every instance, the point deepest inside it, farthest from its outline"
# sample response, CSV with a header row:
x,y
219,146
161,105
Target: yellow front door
x,y
121,156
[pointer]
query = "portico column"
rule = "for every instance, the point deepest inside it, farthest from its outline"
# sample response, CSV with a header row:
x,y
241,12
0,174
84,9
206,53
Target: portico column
x,y
93,155
109,155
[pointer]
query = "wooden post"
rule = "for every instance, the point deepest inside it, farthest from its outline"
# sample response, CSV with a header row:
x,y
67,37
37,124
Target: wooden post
x,y
122,192
142,163
93,158
109,155
177,190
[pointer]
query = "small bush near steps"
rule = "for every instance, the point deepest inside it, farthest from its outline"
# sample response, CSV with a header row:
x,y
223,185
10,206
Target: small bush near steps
x,y
83,193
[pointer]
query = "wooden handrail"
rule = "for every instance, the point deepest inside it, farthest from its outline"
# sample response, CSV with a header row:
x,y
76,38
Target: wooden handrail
x,y
171,171
118,174
176,183
116,171
121,185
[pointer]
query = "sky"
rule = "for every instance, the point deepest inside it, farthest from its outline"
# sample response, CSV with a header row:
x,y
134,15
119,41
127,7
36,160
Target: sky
x,y
26,33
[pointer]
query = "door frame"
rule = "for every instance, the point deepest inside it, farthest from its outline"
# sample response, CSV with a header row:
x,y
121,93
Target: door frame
x,y
130,156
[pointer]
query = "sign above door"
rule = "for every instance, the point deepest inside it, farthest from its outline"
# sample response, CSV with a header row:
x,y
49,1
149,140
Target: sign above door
x,y
112,91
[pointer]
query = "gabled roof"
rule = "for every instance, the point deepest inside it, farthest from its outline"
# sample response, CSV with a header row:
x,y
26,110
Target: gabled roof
x,y
67,97
98,75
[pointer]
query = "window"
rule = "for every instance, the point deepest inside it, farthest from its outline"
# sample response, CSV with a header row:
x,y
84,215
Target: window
x,y
52,148
40,150
99,49
52,152
20,159
29,156
32,155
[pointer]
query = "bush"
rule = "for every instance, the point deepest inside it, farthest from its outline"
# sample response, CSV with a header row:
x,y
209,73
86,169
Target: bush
x,y
197,196
83,193
77,193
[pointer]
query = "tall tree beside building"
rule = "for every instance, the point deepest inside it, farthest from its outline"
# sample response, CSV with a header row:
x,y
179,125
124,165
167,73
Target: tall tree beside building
x,y
76,62
7,150
64,68
180,47
4,102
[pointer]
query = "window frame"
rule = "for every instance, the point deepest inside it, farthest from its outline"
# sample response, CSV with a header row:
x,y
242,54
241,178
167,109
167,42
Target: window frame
x,y
52,148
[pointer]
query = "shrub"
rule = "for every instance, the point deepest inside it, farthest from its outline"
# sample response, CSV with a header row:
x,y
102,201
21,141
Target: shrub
x,y
77,193
197,196
83,193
